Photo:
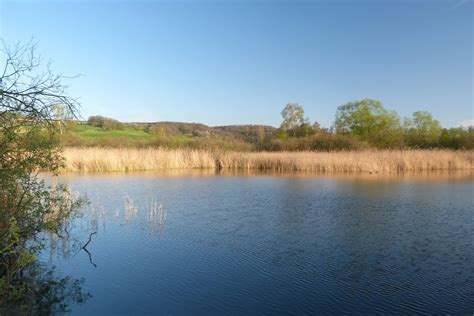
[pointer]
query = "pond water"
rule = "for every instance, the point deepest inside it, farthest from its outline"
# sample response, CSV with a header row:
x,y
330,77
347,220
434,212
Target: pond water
x,y
263,244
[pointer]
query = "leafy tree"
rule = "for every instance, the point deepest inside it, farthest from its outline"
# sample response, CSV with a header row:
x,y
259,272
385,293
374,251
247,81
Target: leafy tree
x,y
368,120
105,123
293,117
29,95
422,130
457,138
304,130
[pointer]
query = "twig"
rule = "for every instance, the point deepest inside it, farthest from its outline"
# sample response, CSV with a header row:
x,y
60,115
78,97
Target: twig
x,y
87,251
87,243
90,257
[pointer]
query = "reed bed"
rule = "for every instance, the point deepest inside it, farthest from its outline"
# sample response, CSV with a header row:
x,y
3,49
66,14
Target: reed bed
x,y
369,161
129,159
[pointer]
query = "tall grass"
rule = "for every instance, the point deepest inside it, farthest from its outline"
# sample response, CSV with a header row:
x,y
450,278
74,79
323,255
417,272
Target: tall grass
x,y
133,159
369,161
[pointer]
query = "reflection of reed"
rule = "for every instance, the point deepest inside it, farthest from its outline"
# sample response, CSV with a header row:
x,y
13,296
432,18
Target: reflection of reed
x,y
97,211
62,245
117,214
61,242
130,209
156,216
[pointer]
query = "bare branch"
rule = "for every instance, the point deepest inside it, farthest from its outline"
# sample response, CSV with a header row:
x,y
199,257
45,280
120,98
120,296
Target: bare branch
x,y
26,88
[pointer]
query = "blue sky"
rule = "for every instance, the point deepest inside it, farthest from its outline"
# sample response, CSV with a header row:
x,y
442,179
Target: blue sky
x,y
240,62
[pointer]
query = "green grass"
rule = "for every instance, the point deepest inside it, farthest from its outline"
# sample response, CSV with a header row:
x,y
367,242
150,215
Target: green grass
x,y
89,132
86,135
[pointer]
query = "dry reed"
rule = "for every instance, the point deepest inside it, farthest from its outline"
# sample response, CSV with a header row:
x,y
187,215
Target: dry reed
x,y
369,161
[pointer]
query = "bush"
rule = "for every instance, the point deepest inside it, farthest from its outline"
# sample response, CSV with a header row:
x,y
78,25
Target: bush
x,y
322,141
457,138
105,123
29,208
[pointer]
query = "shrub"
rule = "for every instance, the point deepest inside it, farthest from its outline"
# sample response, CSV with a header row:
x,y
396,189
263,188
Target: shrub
x,y
105,123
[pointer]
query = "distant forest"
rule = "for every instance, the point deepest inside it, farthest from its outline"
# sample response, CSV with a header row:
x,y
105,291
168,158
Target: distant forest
x,y
361,124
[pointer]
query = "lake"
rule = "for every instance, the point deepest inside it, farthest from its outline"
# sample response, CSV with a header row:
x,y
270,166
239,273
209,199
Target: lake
x,y
268,244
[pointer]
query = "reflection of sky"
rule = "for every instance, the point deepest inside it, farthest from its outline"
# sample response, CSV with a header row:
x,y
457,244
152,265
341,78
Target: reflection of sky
x,y
275,243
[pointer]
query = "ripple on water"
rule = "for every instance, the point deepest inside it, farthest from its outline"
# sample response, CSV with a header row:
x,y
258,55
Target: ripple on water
x,y
282,245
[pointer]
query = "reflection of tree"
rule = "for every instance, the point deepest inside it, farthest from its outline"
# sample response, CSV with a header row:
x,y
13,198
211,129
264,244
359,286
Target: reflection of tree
x,y
87,251
30,286
44,293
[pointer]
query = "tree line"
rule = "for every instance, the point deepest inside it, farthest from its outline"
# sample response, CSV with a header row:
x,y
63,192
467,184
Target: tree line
x,y
361,124
365,124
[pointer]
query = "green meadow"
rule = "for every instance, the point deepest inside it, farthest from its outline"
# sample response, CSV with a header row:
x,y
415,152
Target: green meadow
x,y
139,135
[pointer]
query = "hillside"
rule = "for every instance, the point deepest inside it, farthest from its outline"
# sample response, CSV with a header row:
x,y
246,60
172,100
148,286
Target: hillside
x,y
169,134
101,131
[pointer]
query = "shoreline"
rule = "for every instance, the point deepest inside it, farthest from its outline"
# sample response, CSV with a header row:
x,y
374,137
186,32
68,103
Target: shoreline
x,y
386,162
456,176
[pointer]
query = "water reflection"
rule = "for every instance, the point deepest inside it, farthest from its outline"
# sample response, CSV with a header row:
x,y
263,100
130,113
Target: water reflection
x,y
148,211
271,244
422,176
156,217
41,288
46,293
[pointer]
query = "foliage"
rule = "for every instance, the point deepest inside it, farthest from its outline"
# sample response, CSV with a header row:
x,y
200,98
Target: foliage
x,y
457,138
30,97
251,138
422,130
171,135
293,117
105,123
368,120
321,141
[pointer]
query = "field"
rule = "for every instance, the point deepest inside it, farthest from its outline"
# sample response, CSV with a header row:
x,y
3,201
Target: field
x,y
167,134
368,161
85,135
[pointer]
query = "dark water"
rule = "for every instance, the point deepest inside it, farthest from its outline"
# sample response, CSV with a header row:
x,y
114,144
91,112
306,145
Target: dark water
x,y
274,245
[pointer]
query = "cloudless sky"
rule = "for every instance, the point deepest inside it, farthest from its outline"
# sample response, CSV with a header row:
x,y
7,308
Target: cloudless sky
x,y
240,62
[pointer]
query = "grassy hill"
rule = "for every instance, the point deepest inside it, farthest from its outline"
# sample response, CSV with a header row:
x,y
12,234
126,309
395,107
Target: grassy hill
x,y
169,134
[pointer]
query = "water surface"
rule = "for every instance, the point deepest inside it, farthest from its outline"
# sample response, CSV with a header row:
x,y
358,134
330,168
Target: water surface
x,y
187,244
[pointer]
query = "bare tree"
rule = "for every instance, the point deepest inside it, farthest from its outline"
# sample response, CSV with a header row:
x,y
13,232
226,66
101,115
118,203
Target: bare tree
x,y
28,89
30,96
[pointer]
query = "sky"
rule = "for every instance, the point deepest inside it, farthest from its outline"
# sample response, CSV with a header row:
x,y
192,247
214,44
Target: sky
x,y
240,62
